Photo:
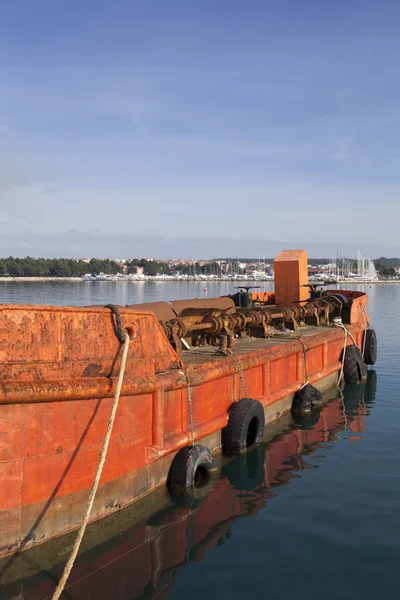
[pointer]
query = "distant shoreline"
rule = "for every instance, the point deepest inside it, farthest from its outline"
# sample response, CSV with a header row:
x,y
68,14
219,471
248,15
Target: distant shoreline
x,y
189,279
21,279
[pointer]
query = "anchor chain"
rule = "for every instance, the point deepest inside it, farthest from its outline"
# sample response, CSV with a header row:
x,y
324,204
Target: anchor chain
x,y
240,371
189,399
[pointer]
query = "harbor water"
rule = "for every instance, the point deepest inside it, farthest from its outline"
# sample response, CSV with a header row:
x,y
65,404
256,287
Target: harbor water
x,y
311,513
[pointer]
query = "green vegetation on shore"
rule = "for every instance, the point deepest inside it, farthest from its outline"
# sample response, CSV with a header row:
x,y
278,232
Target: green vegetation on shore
x,y
69,267
54,267
158,267
386,267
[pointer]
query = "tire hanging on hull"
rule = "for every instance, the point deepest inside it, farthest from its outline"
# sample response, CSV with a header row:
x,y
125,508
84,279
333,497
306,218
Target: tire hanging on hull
x,y
245,426
354,367
192,473
306,399
370,344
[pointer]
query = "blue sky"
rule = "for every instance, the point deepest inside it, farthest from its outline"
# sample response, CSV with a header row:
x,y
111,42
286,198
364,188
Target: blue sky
x,y
133,127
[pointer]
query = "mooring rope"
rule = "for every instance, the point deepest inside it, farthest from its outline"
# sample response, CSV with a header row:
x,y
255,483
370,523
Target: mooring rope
x,y
190,408
240,371
365,328
346,333
306,382
103,454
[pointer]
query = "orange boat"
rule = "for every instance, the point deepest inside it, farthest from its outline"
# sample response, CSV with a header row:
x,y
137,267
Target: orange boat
x,y
201,377
168,538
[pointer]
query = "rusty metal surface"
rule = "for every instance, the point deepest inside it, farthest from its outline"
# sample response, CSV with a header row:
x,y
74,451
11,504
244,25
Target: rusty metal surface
x,y
162,310
278,467
44,344
219,303
263,297
291,277
215,322
58,369
180,305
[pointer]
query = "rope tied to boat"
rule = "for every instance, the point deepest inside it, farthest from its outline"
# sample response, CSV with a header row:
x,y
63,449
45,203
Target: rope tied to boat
x,y
240,371
338,323
365,328
306,382
190,408
304,349
119,327
103,454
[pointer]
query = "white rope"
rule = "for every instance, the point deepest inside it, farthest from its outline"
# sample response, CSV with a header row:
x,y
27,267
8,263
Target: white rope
x,y
365,328
103,454
346,333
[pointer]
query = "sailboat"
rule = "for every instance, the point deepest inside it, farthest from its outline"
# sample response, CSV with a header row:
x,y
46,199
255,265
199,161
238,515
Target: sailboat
x,y
366,270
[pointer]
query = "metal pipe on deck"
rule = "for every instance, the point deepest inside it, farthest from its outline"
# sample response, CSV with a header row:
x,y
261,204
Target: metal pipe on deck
x,y
235,319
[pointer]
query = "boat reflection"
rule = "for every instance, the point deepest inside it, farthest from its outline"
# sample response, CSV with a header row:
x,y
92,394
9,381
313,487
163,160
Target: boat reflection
x,y
143,561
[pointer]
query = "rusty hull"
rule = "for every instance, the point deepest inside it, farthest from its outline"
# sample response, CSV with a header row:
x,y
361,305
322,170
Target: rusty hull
x,y
58,370
159,536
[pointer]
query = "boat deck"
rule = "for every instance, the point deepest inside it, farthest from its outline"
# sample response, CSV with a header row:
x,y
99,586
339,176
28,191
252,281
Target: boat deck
x,y
205,354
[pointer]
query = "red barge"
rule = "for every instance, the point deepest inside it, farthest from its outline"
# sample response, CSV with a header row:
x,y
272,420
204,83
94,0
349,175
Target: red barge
x,y
204,373
165,538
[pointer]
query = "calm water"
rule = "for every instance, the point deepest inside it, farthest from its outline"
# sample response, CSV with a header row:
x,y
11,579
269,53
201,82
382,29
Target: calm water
x,y
321,499
103,292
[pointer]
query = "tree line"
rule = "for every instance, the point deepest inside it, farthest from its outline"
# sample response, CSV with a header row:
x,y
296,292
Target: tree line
x,y
54,267
68,267
386,266
159,267
384,269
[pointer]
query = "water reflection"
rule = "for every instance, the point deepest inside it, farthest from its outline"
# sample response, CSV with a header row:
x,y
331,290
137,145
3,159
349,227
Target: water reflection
x,y
143,561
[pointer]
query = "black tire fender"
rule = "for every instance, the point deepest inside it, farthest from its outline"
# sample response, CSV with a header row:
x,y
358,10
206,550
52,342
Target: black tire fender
x,y
370,344
354,367
245,426
306,399
193,472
